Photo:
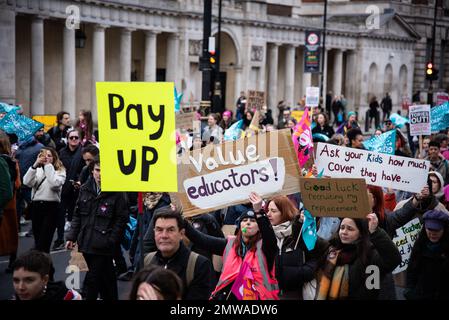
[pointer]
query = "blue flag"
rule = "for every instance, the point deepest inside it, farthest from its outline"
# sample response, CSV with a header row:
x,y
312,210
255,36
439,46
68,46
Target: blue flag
x,y
384,143
439,117
319,137
4,107
178,98
234,132
309,230
23,127
397,120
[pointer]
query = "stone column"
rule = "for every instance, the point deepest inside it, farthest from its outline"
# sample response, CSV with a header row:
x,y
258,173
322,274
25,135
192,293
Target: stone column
x,y
172,59
338,72
150,56
69,72
37,66
290,75
125,54
350,81
8,56
98,64
273,79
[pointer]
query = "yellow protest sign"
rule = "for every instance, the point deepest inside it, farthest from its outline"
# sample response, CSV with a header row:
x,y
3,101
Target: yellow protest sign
x,y
136,124
49,121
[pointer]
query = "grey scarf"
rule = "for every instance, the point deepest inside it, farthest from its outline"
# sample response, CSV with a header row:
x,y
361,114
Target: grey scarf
x,y
282,231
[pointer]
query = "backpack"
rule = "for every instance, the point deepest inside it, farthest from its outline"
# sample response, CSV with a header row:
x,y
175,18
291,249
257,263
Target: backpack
x,y
190,271
12,169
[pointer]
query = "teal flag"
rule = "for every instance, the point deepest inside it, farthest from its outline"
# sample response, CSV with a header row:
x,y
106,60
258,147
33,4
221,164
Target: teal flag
x,y
439,117
309,230
23,127
234,132
397,120
178,98
384,143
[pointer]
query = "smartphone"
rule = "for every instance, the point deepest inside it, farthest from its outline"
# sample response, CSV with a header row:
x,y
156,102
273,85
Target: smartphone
x,y
429,184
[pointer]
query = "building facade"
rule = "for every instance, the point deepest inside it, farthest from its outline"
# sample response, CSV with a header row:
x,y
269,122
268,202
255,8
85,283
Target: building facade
x,y
146,40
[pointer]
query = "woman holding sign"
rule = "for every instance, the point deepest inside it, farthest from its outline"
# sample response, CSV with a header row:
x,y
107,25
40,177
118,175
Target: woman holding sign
x,y
356,261
295,264
248,257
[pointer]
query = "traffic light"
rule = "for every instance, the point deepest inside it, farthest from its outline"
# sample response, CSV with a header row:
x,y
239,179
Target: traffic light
x,y
212,53
431,73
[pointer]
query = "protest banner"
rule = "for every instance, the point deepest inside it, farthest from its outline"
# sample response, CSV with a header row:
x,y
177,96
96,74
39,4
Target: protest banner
x,y
49,121
312,96
419,117
23,127
384,143
377,169
404,240
136,122
187,121
439,117
255,100
219,176
335,197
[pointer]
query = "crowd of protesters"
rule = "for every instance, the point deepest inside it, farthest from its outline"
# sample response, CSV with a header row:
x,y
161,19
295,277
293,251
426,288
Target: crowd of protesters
x,y
54,180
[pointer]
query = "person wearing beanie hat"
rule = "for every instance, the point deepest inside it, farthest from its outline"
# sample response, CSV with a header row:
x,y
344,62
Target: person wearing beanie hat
x,y
351,123
226,121
428,269
252,250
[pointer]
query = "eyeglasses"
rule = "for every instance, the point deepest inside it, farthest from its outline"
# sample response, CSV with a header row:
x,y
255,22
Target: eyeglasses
x,y
74,138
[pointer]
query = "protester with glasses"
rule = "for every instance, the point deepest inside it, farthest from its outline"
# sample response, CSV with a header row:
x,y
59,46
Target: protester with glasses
x,y
73,162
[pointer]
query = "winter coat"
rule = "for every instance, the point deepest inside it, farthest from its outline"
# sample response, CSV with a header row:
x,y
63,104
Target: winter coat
x,y
58,136
9,226
327,130
99,221
384,254
291,269
73,163
46,183
428,274
200,287
26,154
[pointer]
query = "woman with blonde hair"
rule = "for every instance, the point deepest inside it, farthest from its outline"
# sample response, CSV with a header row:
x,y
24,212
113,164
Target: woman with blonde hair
x,y
46,177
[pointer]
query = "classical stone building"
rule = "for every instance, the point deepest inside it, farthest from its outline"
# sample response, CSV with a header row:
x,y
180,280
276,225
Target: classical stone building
x,y
147,40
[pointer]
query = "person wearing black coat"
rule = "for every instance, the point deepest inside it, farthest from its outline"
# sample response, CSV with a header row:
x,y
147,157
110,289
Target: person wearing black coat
x,y
360,244
323,126
98,226
428,268
295,264
172,254
72,160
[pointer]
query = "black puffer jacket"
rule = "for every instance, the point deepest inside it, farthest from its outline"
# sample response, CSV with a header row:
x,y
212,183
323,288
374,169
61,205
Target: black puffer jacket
x,y
291,269
99,221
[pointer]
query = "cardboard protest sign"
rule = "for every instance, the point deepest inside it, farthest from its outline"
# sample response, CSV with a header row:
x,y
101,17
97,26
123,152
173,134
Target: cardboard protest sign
x,y
136,122
377,169
419,117
187,121
49,121
404,240
219,176
256,99
312,96
335,197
